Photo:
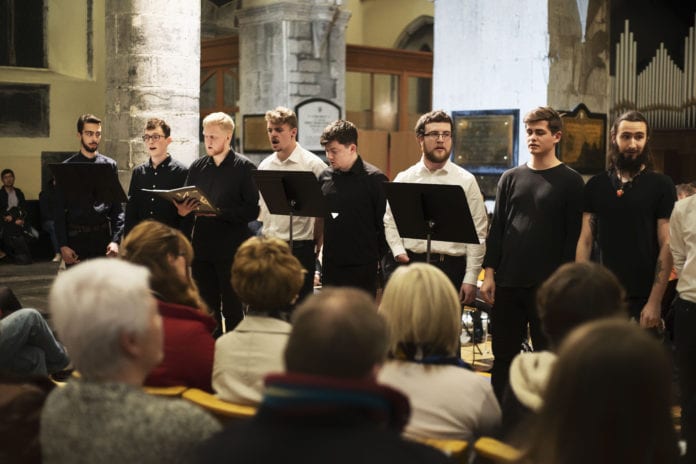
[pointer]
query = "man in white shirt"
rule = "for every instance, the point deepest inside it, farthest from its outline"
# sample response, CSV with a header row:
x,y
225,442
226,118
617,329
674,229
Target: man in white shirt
x,y
682,232
281,124
460,261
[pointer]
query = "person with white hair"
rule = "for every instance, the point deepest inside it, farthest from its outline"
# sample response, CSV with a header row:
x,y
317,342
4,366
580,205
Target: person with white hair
x,y
108,320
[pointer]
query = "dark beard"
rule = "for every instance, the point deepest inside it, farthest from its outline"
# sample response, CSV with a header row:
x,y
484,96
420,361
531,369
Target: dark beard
x,y
90,149
432,157
630,165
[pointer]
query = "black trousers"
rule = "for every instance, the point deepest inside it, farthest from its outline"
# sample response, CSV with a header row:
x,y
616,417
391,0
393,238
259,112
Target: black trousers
x,y
514,308
453,266
304,252
213,280
363,276
89,242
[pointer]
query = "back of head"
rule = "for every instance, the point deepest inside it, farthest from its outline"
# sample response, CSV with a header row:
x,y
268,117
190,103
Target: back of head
x,y
153,245
92,305
266,275
422,310
337,333
545,113
223,120
341,131
282,115
608,399
577,293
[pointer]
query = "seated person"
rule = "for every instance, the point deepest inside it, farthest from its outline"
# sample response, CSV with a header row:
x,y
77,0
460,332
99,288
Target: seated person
x,y
267,278
576,293
189,346
327,406
21,401
27,345
108,319
608,400
47,205
423,315
13,214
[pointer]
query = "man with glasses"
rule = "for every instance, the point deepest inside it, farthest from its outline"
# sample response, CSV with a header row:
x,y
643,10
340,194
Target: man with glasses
x,y
160,172
88,229
460,261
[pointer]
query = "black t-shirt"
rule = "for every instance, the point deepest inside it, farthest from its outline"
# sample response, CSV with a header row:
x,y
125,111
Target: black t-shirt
x,y
627,225
536,224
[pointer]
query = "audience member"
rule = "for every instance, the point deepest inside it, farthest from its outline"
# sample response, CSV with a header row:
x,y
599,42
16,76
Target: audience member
x,y
327,407
160,172
13,216
226,179
354,239
630,196
21,401
267,278
27,344
607,401
47,207
576,293
685,190
108,319
423,315
683,247
281,125
188,340
534,230
87,228
460,261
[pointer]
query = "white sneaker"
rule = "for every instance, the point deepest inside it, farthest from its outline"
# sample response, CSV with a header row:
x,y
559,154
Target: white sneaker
x,y
56,258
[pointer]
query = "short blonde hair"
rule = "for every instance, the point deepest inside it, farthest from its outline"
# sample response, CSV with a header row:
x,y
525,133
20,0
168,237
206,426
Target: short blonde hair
x,y
223,120
265,274
282,115
422,307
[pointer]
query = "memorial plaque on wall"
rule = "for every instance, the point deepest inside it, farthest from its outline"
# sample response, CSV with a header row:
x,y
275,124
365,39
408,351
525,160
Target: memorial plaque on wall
x,y
583,143
255,139
312,117
485,141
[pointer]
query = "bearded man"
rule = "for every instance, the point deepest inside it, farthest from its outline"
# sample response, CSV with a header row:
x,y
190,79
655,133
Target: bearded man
x,y
460,261
627,210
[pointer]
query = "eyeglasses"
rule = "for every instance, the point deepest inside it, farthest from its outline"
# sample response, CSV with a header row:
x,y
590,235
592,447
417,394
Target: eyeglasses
x,y
92,133
154,137
437,135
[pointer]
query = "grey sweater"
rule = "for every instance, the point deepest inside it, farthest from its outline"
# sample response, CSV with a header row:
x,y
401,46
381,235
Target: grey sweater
x,y
87,422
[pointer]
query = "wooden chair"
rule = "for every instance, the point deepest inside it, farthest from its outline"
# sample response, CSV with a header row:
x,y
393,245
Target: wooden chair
x,y
456,449
223,410
495,451
172,392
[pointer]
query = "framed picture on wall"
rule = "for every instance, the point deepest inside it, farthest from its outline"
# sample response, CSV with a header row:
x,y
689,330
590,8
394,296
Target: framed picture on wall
x,y
583,144
255,139
485,141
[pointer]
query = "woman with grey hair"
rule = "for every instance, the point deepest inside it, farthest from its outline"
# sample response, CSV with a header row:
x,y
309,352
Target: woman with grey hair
x,y
108,320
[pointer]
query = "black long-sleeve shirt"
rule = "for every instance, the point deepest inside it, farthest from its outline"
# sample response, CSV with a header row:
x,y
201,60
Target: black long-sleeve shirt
x,y
536,224
354,225
169,174
89,212
231,188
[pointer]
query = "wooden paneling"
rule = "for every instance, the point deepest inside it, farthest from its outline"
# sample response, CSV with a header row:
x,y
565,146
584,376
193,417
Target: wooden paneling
x,y
403,152
373,147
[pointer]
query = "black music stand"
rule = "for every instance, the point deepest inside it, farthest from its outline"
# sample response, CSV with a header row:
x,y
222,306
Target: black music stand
x,y
291,193
88,182
431,212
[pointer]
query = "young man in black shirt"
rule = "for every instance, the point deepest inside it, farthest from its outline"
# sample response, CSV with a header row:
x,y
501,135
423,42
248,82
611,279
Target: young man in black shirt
x,y
535,227
353,228
160,172
88,229
225,178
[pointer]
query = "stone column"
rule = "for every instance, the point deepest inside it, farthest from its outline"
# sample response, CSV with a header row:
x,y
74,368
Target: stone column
x,y
290,52
152,70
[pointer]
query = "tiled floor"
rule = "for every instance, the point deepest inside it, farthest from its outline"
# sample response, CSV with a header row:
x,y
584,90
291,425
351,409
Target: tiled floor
x,y
31,283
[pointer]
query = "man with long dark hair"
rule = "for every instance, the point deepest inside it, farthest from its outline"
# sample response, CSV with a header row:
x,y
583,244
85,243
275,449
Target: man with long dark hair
x,y
627,209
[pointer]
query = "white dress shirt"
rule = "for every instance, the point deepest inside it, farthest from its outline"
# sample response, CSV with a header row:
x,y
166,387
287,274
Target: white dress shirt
x,y
275,225
682,241
450,174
